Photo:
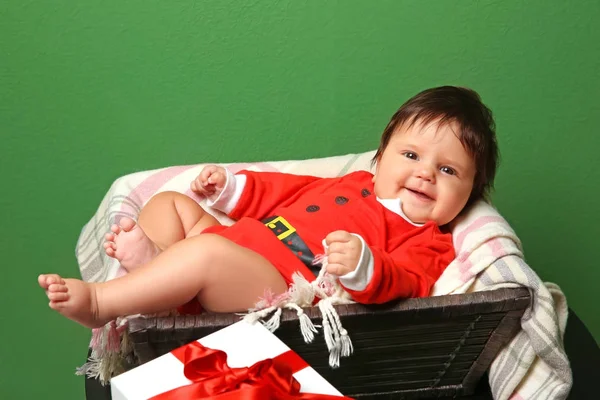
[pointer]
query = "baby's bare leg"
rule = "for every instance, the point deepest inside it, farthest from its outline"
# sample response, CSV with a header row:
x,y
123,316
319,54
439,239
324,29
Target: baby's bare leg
x,y
222,275
167,218
171,216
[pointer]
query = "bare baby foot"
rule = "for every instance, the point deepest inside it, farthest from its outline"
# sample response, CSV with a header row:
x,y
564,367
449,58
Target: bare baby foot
x,y
129,244
73,298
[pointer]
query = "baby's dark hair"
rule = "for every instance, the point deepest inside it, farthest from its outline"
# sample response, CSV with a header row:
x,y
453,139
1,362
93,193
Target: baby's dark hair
x,y
477,130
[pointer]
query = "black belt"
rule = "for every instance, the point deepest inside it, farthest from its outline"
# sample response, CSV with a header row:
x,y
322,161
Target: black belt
x,y
287,234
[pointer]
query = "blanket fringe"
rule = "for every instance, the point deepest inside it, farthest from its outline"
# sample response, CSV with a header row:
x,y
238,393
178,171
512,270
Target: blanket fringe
x,y
307,328
303,293
273,323
111,352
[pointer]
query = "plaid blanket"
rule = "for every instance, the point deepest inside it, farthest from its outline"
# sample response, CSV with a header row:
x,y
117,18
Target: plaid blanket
x,y
489,256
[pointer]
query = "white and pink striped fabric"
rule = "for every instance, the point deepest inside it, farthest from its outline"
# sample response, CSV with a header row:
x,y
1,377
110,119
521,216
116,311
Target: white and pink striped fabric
x,y
489,256
534,364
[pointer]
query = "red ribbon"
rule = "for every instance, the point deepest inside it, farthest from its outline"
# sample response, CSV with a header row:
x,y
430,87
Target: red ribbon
x,y
212,378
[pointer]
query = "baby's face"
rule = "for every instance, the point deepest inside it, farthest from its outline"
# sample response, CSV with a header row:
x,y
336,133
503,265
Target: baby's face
x,y
429,170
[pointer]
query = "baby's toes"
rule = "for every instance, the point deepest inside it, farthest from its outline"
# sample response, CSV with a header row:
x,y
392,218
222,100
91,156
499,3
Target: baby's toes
x,y
45,280
115,228
42,281
109,237
54,278
58,288
57,305
110,246
127,224
58,296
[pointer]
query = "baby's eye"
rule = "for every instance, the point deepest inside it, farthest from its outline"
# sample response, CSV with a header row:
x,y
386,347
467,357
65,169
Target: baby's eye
x,y
411,155
448,170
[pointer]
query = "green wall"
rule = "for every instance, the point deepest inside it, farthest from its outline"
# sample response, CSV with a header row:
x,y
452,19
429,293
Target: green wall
x,y
94,90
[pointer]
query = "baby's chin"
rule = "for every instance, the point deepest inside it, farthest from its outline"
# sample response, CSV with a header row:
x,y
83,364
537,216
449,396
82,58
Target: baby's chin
x,y
420,215
415,217
420,219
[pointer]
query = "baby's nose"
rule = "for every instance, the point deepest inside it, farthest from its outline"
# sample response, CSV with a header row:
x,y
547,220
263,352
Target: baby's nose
x,y
425,173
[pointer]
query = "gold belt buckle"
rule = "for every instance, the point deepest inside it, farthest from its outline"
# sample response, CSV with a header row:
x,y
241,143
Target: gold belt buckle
x,y
290,229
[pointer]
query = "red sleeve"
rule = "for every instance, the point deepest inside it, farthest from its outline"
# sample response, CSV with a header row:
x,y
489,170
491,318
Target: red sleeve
x,y
265,191
409,270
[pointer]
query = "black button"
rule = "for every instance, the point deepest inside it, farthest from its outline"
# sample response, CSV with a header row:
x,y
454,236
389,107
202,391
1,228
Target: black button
x,y
341,200
312,208
365,192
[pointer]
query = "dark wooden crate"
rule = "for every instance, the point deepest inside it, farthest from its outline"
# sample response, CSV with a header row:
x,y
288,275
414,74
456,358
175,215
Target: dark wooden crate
x,y
413,348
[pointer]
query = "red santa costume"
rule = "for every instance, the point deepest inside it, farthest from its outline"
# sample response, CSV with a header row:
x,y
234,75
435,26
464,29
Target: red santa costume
x,y
285,218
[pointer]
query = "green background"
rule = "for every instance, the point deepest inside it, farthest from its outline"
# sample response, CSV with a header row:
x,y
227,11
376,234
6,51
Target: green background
x,y
94,90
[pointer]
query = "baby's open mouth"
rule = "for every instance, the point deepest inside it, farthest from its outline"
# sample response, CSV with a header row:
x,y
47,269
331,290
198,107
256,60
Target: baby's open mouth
x,y
420,195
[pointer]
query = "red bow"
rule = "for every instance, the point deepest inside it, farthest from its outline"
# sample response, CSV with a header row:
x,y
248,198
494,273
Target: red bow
x,y
213,379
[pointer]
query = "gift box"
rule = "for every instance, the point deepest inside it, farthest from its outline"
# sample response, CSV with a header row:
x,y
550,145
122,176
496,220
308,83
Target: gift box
x,y
243,360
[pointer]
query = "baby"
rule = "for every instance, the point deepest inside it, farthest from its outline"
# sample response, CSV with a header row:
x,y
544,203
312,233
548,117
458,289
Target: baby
x,y
385,235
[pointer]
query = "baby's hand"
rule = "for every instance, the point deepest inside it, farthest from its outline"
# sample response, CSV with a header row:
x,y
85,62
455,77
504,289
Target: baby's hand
x,y
210,181
343,252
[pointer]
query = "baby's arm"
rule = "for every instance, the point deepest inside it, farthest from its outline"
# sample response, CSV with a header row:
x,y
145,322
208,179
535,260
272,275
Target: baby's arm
x,y
408,271
265,192
210,181
345,251
222,188
248,193
349,257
